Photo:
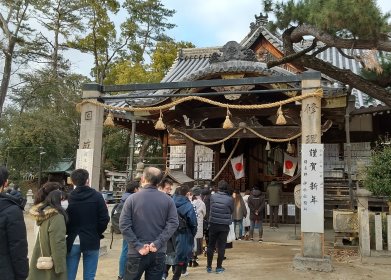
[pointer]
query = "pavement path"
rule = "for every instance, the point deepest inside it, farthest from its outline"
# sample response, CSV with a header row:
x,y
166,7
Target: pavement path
x,y
248,260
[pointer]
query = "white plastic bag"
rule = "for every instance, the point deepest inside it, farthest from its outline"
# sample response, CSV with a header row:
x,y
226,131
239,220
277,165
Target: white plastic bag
x,y
231,233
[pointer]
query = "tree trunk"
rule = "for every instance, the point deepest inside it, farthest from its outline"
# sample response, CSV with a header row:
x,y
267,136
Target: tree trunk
x,y
143,149
6,73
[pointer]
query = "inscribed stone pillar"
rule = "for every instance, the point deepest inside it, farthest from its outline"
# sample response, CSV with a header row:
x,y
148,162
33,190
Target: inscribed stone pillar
x,y
91,129
312,242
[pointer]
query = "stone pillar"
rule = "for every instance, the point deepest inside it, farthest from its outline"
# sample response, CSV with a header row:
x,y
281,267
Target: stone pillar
x,y
30,200
363,221
313,243
312,256
389,232
91,129
378,232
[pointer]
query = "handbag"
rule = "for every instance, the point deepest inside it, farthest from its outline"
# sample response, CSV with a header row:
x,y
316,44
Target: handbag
x,y
43,262
231,233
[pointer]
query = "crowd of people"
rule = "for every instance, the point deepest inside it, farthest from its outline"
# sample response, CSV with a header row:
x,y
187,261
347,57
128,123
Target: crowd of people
x,y
162,232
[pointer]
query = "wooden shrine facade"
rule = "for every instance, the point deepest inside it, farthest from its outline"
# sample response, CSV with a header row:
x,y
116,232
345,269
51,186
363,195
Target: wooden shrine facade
x,y
221,82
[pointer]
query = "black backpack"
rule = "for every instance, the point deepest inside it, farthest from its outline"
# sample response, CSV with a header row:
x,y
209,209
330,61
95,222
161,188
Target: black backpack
x,y
115,214
182,224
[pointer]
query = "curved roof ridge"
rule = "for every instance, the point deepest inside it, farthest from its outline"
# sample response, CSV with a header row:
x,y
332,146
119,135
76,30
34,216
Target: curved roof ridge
x,y
197,52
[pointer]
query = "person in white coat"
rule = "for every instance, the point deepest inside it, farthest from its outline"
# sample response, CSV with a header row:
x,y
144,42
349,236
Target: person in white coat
x,y
246,220
201,212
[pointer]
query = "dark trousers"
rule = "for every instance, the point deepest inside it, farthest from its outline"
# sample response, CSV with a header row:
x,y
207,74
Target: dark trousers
x,y
152,264
274,216
178,269
217,239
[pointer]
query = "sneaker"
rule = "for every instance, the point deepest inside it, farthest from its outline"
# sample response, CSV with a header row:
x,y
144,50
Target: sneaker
x,y
185,273
252,239
220,270
208,269
260,240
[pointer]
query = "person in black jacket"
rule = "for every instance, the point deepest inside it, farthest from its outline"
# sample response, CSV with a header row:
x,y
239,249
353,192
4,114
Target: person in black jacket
x,y
88,219
220,217
13,237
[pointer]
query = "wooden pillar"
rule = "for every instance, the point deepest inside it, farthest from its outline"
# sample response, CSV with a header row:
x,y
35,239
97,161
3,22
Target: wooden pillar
x,y
165,149
91,129
190,154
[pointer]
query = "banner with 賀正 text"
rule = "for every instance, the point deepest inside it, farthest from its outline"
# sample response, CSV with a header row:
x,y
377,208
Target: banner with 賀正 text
x,y
85,160
312,188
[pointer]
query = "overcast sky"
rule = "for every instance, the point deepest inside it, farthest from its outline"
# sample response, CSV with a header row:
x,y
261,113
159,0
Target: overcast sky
x,y
205,23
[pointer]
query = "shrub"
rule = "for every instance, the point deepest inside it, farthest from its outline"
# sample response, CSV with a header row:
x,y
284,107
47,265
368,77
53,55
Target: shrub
x,y
378,173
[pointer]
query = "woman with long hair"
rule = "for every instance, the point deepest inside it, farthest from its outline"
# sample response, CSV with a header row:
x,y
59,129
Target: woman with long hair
x,y
240,212
51,219
43,192
41,195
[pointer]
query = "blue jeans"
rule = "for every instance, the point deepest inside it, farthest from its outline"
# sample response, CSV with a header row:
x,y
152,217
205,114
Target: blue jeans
x,y
252,226
152,264
123,258
90,263
240,224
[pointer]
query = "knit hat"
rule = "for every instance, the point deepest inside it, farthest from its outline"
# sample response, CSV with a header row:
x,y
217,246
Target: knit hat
x,y
196,191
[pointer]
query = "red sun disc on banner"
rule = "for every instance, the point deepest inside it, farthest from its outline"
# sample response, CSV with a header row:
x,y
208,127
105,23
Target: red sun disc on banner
x,y
239,166
288,164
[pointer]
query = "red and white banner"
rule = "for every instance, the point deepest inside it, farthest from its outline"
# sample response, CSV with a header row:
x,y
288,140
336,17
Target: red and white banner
x,y
238,166
290,164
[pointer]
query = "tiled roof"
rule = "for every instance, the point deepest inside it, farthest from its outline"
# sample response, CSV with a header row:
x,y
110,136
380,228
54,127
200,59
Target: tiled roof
x,y
193,64
331,55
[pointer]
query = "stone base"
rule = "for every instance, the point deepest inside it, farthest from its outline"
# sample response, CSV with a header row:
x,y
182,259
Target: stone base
x,y
317,264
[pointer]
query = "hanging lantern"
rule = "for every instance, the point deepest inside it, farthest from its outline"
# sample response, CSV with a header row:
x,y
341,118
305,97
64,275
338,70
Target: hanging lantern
x,y
222,150
159,125
109,120
280,117
289,149
267,148
227,123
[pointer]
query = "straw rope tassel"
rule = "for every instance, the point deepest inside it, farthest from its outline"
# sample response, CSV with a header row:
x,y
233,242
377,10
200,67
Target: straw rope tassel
x,y
227,123
267,146
280,117
160,124
289,149
109,120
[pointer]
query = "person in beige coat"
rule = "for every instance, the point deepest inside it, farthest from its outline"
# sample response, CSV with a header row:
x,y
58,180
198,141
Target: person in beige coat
x,y
238,214
51,219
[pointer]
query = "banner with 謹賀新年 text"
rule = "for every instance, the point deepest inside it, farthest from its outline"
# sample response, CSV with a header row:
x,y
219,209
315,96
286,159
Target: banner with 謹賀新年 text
x,y
312,188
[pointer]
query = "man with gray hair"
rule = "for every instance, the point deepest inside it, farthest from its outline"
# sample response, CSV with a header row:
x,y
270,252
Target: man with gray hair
x,y
148,220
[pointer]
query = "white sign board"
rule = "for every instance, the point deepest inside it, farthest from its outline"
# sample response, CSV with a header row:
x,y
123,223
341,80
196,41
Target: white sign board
x,y
312,188
84,160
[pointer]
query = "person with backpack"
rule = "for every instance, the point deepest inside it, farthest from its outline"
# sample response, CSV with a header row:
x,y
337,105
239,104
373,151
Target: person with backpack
x,y
187,229
131,188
